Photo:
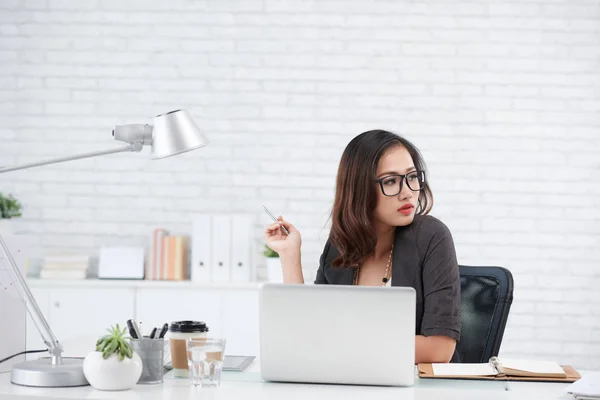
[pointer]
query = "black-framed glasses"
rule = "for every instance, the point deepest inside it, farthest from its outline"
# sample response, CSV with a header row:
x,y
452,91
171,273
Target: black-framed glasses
x,y
391,185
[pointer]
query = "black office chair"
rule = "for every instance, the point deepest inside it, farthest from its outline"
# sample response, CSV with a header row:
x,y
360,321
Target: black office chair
x,y
486,296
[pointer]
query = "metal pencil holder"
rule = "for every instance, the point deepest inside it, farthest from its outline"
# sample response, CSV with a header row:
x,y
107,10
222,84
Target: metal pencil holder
x,y
151,351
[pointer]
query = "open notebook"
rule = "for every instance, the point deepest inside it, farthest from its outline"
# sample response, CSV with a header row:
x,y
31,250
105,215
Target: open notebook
x,y
505,369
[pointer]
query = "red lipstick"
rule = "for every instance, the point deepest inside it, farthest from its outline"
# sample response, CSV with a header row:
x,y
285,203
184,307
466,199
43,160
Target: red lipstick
x,y
406,209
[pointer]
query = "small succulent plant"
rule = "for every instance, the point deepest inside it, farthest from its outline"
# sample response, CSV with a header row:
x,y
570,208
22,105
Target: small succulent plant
x,y
268,252
114,342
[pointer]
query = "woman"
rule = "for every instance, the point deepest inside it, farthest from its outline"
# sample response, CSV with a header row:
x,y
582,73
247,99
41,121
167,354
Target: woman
x,y
381,235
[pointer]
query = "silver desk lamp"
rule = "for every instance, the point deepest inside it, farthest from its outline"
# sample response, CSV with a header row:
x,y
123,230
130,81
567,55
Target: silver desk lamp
x,y
172,133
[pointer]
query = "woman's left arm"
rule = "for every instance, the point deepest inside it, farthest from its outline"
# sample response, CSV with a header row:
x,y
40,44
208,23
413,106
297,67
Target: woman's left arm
x,y
440,327
434,349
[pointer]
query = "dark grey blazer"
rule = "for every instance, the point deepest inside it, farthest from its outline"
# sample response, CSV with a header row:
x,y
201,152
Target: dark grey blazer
x,y
424,259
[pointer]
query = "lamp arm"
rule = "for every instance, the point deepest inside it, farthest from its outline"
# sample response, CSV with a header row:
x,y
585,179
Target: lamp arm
x,y
136,135
136,146
175,133
54,347
50,340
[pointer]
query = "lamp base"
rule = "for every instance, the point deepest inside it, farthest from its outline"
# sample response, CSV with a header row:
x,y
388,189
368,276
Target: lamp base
x,y
41,373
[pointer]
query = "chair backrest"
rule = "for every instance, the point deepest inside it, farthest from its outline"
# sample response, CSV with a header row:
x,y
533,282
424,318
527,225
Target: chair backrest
x,y
486,296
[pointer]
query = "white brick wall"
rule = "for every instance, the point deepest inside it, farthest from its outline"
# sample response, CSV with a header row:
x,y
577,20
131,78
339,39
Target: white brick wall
x,y
503,98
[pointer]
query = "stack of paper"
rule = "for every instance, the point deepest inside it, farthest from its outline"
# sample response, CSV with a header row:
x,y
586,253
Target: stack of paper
x,y
65,266
588,387
520,367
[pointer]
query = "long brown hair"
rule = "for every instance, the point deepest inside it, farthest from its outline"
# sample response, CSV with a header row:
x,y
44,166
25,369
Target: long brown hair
x,y
352,231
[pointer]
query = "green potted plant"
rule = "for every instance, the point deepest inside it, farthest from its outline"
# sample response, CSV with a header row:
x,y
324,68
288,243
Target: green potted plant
x,y
113,365
10,208
274,272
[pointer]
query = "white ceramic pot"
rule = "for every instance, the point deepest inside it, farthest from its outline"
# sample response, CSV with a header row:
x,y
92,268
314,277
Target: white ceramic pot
x,y
112,373
274,271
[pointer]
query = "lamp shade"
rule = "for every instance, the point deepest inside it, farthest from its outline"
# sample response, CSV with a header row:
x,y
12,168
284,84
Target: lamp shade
x,y
174,133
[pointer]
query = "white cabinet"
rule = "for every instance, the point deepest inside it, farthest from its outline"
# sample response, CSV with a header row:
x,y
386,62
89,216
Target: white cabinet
x,y
232,314
76,312
80,311
155,306
78,316
240,322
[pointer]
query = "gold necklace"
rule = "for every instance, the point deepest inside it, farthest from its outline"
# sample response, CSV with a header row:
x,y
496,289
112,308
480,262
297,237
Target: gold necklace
x,y
386,277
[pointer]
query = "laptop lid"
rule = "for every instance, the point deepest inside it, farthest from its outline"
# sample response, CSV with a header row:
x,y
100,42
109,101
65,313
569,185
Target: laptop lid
x,y
337,334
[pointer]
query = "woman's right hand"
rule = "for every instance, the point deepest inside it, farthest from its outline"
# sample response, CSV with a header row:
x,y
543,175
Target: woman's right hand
x,y
280,242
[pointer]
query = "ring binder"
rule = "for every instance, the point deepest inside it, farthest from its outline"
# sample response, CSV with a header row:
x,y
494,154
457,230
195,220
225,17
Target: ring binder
x,y
505,369
495,363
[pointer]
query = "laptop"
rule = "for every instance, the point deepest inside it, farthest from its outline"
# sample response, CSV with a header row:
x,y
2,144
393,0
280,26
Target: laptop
x,y
337,334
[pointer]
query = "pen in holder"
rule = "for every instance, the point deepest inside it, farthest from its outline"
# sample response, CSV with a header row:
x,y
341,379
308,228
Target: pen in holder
x,y
151,351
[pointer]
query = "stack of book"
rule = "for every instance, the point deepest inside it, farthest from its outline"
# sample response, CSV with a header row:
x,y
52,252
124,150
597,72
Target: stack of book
x,y
168,257
65,266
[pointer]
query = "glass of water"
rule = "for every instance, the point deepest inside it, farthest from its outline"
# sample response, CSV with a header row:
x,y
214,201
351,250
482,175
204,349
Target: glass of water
x,y
205,360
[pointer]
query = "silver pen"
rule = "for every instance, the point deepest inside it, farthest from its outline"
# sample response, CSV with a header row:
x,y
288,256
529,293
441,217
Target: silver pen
x,y
275,219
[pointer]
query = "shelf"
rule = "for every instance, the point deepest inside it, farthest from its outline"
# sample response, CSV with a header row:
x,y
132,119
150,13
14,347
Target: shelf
x,y
140,283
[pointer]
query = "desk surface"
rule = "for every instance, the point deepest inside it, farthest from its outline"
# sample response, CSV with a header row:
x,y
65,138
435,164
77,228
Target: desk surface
x,y
249,386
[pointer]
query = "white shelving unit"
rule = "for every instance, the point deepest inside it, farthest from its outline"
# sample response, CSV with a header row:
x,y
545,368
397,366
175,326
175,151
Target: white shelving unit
x,y
79,311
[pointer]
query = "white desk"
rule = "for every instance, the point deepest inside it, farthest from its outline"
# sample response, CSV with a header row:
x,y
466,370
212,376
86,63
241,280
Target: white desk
x,y
248,386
